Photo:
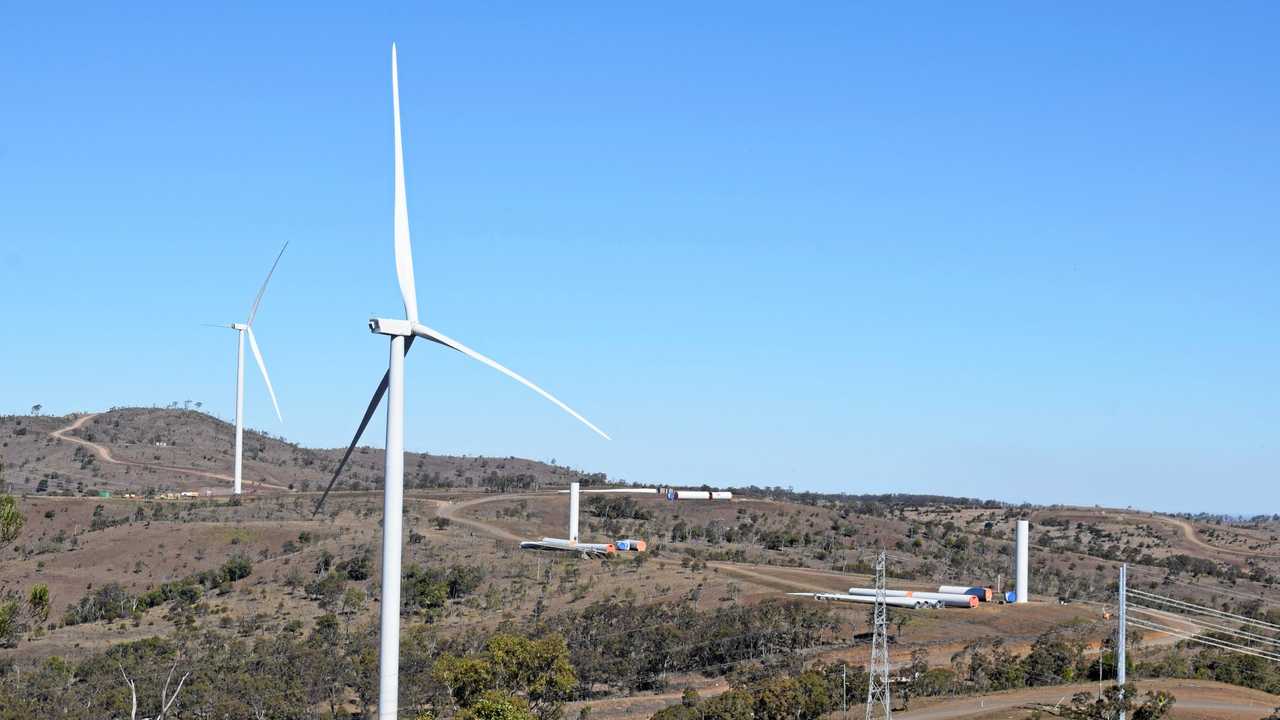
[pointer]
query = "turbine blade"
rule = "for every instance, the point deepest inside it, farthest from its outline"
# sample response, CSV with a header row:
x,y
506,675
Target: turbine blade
x,y
253,311
364,423
423,331
404,250
257,355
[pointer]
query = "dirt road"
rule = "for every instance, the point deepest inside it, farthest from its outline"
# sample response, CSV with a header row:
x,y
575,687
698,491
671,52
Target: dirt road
x,y
105,455
1189,532
1195,699
449,510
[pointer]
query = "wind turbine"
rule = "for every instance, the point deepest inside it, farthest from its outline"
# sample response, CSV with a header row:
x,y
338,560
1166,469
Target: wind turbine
x,y
402,334
243,329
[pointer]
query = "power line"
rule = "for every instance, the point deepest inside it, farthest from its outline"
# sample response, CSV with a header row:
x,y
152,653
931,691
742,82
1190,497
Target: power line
x,y
1223,645
1203,624
1224,591
1202,638
1165,579
1207,610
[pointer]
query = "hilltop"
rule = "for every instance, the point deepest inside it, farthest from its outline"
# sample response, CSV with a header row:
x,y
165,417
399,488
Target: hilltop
x,y
169,449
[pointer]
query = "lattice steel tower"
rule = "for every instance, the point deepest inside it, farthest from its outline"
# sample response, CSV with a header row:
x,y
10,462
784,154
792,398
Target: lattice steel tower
x,y
878,682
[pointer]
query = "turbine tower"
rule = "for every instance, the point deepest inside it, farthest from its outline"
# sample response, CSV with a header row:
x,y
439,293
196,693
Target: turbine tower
x,y
402,334
573,511
243,329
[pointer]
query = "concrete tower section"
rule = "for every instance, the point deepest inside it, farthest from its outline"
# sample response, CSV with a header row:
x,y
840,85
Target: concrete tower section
x,y
1024,546
573,512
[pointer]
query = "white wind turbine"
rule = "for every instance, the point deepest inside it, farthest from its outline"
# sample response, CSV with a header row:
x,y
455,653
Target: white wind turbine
x,y
402,334
243,329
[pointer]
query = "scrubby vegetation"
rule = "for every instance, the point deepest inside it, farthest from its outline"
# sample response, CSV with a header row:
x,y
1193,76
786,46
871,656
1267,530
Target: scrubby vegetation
x,y
261,610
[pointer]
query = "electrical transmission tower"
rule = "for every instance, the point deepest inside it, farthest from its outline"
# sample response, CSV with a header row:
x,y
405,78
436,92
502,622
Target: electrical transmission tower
x,y
878,682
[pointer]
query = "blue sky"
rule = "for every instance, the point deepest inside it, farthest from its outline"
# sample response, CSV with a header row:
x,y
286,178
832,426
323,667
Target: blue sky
x,y
963,250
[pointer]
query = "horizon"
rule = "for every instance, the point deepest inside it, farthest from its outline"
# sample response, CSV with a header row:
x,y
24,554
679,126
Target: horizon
x,y
969,252
1233,516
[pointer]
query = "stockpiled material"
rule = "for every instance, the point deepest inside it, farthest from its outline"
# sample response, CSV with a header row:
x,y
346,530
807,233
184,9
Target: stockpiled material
x,y
947,599
693,495
983,594
914,603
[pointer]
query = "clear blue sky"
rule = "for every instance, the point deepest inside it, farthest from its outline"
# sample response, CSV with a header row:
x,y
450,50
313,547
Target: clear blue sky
x,y
962,250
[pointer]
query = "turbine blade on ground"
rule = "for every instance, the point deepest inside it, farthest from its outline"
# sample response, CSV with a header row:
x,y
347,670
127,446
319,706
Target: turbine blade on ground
x,y
257,355
253,311
423,331
364,423
404,250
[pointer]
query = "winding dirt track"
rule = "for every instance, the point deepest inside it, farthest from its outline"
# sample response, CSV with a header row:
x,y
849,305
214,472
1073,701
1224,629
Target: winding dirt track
x,y
105,455
449,510
1193,696
1189,532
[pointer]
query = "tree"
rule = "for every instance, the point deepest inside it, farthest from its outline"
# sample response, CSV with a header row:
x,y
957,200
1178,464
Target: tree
x,y
11,626
689,698
236,568
358,568
728,705
778,698
11,520
516,667
1054,659
1084,706
38,602
35,409
495,705
423,590
353,600
144,659
327,591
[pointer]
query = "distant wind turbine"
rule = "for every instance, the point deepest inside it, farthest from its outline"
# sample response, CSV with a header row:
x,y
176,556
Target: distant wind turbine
x,y
402,334
242,329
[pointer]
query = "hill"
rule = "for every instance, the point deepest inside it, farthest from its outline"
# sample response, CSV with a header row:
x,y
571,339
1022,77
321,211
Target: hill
x,y
706,608
140,449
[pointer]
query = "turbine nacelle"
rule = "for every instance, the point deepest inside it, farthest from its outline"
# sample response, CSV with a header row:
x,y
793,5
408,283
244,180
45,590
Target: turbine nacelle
x,y
384,326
